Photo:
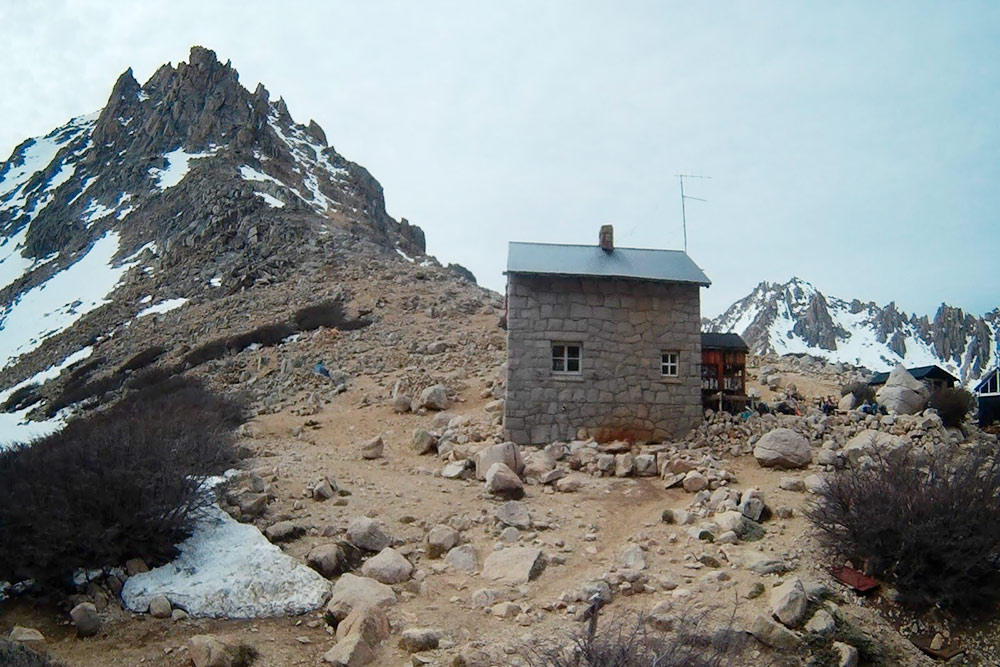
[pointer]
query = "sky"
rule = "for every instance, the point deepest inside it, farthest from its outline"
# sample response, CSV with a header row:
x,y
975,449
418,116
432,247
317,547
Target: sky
x,y
855,145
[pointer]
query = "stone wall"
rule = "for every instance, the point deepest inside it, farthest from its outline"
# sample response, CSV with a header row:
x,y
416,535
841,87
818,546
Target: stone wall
x,y
623,326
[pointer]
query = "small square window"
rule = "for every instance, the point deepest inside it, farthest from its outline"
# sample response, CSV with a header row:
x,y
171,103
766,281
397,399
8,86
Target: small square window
x,y
566,357
669,364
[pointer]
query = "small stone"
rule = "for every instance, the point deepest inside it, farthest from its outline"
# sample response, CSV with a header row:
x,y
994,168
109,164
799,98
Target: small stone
x,y
159,607
351,651
463,559
368,621
86,620
134,566
633,558
209,651
30,637
388,567
694,481
440,540
423,442
822,623
513,513
515,565
847,655
414,640
366,534
773,634
502,481
373,449
791,484
284,531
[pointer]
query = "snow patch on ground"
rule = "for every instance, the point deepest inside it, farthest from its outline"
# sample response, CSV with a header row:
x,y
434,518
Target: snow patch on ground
x,y
178,165
229,569
405,256
162,307
59,302
273,202
15,428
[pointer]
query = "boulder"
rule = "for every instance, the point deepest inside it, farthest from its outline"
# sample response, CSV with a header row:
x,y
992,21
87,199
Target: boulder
x,y
351,651
365,534
463,559
822,623
505,452
86,620
870,442
333,559
352,591
373,449
434,398
401,403
369,622
771,633
284,531
789,602
502,481
783,448
645,465
902,394
513,513
414,640
846,402
15,654
424,442
159,607
388,566
209,651
624,465
633,558
847,655
440,539
694,481
30,637
515,565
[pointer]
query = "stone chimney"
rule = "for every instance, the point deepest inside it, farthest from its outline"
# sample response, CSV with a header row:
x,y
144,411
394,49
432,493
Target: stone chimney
x,y
607,238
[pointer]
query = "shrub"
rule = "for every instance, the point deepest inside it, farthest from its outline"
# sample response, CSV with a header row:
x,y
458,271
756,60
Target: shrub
x,y
953,405
151,376
328,314
931,530
213,349
143,359
266,335
125,482
627,642
862,392
74,393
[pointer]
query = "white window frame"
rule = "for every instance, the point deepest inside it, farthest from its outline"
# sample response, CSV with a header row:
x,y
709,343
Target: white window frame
x,y
670,368
565,357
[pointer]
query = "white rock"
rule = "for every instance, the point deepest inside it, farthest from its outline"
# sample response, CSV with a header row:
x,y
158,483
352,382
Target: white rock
x,y
902,394
790,603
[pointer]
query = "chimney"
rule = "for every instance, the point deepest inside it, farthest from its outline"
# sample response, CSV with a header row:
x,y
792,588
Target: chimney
x,y
607,239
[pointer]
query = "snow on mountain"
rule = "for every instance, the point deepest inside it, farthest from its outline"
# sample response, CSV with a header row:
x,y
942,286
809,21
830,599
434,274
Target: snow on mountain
x,y
796,318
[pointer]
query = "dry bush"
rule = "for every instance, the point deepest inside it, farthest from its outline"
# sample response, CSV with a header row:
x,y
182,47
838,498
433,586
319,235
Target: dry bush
x,y
953,405
329,314
213,349
142,359
23,398
265,336
627,641
125,482
74,393
931,530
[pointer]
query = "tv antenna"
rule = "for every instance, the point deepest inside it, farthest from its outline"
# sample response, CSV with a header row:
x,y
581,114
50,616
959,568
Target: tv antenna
x,y
683,207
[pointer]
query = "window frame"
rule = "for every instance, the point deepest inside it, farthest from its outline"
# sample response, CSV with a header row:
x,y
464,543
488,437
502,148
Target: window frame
x,y
565,357
665,364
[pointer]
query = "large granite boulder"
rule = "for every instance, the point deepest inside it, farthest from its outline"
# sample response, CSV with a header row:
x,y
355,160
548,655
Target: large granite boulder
x,y
902,394
783,448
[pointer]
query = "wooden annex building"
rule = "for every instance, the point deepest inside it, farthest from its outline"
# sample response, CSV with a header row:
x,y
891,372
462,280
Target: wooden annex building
x,y
723,371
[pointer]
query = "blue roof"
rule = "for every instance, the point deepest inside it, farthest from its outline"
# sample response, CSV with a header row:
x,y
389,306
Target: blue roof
x,y
589,260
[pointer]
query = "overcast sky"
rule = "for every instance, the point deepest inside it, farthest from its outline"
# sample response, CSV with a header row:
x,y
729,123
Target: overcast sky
x,y
855,145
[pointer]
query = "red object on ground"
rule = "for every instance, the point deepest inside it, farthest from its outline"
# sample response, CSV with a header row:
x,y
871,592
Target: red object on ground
x,y
860,582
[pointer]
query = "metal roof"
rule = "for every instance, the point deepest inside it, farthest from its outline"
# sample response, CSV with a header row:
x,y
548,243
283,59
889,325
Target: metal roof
x,y
986,378
589,260
920,372
723,341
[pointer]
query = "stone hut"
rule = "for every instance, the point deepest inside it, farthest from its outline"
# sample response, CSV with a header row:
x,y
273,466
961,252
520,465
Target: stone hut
x,y
602,342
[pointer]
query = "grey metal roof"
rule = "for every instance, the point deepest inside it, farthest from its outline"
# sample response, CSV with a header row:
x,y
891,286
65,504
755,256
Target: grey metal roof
x,y
920,372
589,260
725,341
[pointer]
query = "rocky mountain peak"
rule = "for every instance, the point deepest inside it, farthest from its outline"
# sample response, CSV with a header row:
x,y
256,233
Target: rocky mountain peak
x,y
796,318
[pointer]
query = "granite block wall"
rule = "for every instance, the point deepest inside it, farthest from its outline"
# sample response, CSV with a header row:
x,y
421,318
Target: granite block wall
x,y
623,326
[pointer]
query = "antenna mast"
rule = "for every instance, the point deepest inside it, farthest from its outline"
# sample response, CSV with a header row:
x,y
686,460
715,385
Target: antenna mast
x,y
683,207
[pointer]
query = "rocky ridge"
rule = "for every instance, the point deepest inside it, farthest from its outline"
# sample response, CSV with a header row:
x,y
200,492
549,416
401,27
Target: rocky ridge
x,y
796,318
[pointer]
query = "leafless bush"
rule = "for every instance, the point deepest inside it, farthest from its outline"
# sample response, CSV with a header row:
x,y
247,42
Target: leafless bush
x,y
628,641
328,314
142,359
23,398
932,530
114,485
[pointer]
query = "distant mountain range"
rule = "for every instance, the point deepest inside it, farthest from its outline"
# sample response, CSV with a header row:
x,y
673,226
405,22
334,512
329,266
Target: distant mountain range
x,y
796,318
